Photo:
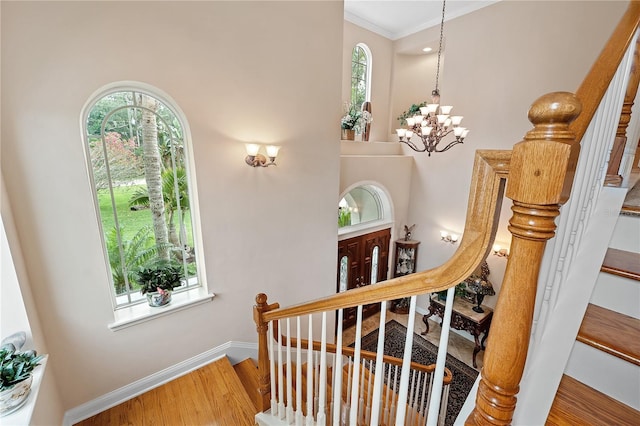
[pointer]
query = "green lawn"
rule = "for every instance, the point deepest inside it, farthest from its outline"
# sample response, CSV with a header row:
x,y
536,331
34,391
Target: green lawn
x,y
130,220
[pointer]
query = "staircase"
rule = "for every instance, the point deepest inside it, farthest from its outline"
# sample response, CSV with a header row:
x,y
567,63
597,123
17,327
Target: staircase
x,y
601,384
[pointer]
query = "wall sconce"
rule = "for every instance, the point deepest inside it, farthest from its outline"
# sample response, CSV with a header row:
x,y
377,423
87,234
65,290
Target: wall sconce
x,y
449,238
254,159
500,252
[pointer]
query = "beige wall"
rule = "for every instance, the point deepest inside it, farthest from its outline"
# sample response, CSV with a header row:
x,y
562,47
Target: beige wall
x,y
221,62
381,52
497,61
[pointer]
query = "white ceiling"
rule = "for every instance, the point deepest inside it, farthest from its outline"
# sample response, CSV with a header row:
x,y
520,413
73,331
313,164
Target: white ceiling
x,y
395,19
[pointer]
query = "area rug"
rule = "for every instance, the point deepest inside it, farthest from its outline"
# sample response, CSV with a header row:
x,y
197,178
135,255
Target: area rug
x,y
425,353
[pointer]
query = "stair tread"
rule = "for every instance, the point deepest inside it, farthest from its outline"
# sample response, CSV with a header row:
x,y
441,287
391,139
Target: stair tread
x,y
578,404
247,371
611,332
623,263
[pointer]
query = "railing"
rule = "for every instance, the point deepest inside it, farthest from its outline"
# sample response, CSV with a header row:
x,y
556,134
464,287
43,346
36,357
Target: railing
x,y
541,172
352,384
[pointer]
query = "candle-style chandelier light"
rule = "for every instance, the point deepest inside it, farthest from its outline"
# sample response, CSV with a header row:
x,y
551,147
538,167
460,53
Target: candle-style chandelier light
x,y
434,122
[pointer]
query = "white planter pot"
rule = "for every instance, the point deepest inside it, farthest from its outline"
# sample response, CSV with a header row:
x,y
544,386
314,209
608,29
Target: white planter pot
x,y
11,399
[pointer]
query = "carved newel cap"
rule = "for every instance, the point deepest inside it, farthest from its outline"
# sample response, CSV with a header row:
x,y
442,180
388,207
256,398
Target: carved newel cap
x,y
551,115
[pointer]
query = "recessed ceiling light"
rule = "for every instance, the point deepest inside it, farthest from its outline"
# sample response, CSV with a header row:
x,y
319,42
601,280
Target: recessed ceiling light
x,y
427,49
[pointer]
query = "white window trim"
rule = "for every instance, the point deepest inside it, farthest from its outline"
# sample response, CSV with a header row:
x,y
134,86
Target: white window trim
x,y
135,314
142,312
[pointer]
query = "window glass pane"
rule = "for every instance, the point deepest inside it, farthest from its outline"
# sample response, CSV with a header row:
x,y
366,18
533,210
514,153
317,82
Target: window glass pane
x,y
359,64
344,273
374,265
140,176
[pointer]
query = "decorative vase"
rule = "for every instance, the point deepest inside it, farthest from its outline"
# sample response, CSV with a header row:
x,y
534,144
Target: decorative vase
x,y
157,299
13,398
366,132
348,134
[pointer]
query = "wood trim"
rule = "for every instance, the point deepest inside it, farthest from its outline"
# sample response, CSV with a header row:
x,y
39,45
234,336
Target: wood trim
x,y
578,404
483,212
622,263
611,332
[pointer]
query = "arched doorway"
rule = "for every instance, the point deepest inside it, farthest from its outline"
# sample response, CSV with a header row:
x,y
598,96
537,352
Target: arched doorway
x,y
364,229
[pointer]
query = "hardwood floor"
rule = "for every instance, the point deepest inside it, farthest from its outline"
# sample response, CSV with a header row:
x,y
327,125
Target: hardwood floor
x,y
213,395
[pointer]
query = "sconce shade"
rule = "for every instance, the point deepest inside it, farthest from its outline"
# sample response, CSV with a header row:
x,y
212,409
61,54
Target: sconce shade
x,y
272,151
252,149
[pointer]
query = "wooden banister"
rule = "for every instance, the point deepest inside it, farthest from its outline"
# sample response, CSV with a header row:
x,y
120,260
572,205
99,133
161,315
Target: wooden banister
x,y
490,170
538,169
262,327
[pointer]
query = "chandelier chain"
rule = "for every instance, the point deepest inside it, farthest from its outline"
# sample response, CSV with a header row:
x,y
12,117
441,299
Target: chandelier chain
x,y
440,45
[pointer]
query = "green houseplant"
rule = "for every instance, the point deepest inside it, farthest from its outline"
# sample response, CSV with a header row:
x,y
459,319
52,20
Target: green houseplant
x,y
157,279
16,369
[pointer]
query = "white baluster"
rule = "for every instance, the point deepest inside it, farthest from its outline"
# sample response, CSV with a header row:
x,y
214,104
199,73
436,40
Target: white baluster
x,y
387,400
353,418
346,408
367,418
411,403
377,383
337,374
361,400
438,376
281,407
394,395
322,419
443,404
316,397
406,364
272,372
299,390
425,383
309,417
289,376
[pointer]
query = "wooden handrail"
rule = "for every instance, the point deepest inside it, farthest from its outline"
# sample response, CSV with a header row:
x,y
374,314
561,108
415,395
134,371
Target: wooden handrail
x,y
490,171
596,83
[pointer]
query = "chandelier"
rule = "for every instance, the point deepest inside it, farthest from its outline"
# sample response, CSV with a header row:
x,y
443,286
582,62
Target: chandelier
x,y
434,122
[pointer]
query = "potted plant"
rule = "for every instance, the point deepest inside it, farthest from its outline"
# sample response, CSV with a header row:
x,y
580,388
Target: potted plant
x,y
157,279
16,370
350,121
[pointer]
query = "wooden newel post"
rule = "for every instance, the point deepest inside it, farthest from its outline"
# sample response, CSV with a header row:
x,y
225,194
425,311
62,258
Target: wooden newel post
x,y
262,327
539,166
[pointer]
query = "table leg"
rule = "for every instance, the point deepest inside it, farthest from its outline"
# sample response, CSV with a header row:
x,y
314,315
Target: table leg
x,y
476,349
425,320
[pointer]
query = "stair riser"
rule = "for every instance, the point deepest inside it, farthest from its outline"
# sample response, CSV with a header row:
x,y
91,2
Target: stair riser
x,y
608,374
626,235
618,294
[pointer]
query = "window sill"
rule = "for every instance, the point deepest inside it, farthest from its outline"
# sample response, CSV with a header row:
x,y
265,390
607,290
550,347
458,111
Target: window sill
x,y
140,313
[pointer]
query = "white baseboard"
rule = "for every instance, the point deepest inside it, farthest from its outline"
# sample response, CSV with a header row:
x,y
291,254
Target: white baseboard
x,y
235,351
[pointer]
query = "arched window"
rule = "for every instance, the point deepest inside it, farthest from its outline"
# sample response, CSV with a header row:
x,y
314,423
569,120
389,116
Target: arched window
x,y
360,75
137,155
365,204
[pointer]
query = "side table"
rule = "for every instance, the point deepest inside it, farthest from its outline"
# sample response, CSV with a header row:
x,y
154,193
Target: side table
x,y
464,318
